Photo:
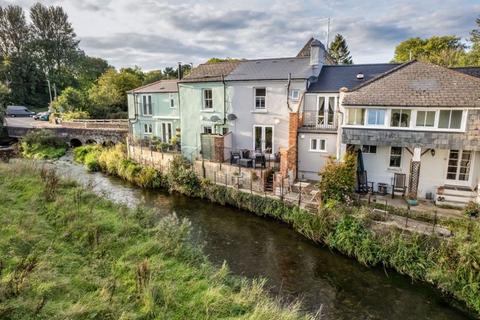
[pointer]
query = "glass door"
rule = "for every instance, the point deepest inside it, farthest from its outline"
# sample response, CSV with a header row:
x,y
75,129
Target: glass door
x,y
458,169
166,131
263,139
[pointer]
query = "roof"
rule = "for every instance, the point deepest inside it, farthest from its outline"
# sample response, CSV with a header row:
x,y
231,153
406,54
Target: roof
x,y
210,72
418,84
272,69
472,71
334,77
157,86
305,51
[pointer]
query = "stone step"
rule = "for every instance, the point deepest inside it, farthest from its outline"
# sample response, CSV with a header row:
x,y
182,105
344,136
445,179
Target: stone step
x,y
455,198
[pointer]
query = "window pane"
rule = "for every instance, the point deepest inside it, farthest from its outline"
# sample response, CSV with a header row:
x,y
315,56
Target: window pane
x,y
444,119
260,92
456,120
268,139
313,144
395,121
420,118
258,138
380,117
322,144
372,117
405,118
331,110
430,121
395,157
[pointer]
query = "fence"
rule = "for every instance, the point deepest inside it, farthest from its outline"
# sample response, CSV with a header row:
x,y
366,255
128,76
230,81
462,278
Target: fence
x,y
104,124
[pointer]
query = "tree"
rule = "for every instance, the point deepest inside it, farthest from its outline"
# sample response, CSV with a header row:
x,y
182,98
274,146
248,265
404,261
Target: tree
x,y
444,50
152,76
89,69
14,31
338,50
71,100
474,54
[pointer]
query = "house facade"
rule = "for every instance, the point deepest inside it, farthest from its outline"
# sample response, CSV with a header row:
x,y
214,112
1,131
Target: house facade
x,y
154,111
420,120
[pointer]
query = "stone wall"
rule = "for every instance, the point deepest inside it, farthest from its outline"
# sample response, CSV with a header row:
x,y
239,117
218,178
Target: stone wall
x,y
469,140
222,173
158,160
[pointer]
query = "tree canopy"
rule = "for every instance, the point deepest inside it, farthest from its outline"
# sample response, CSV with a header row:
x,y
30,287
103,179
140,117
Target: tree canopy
x,y
338,50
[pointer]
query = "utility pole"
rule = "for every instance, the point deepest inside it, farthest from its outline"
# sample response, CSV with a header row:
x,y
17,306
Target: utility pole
x,y
328,32
49,90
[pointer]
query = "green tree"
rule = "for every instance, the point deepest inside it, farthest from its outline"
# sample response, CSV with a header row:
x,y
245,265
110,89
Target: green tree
x,y
14,31
89,69
71,100
474,54
152,76
109,94
338,50
447,51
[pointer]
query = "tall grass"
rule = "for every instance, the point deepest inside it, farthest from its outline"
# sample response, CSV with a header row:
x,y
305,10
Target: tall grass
x,y
78,256
42,144
453,264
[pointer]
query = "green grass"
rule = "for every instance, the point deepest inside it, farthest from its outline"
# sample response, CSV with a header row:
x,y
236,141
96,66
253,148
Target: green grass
x,y
66,253
42,144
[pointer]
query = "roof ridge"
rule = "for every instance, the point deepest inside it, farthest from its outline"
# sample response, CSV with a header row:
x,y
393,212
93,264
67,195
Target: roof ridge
x,y
362,64
152,83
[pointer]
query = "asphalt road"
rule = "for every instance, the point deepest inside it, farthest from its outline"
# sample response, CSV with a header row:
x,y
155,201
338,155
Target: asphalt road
x,y
28,122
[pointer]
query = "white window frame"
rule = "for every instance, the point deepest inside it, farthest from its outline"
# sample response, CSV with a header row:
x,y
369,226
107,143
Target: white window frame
x,y
295,94
204,99
207,127
165,134
147,128
390,157
400,120
435,119
255,99
369,147
356,110
326,110
147,108
172,102
264,135
450,119
318,144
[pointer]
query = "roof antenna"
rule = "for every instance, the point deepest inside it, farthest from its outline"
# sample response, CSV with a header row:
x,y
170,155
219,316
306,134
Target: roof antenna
x,y
328,32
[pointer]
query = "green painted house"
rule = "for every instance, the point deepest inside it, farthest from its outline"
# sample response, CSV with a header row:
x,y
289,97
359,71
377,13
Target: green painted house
x,y
205,104
154,111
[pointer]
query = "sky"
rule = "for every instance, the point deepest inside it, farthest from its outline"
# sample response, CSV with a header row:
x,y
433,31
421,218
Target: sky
x,y
153,34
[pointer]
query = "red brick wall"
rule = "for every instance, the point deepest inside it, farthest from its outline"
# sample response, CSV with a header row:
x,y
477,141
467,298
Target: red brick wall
x,y
288,157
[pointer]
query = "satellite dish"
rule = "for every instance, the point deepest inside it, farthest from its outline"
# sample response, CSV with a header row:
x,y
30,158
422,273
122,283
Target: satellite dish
x,y
215,118
231,117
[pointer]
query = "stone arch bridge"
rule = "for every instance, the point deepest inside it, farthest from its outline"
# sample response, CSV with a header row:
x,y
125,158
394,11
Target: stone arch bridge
x,y
76,132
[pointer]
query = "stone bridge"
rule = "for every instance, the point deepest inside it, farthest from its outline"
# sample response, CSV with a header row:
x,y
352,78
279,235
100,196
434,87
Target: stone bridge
x,y
76,132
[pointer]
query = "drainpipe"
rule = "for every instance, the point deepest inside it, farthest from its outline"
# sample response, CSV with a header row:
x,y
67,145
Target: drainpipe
x,y
339,134
135,108
288,91
224,101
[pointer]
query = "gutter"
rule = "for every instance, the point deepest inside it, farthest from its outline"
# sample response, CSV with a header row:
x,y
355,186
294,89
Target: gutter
x,y
288,91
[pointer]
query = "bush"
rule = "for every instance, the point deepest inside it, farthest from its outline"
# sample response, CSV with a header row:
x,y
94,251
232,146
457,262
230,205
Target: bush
x,y
472,209
338,180
42,144
72,115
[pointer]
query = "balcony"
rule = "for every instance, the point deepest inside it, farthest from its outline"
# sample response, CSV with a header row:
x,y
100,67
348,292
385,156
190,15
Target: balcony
x,y
312,120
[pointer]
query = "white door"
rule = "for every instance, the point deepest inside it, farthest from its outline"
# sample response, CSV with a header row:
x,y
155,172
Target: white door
x,y
167,131
263,139
459,167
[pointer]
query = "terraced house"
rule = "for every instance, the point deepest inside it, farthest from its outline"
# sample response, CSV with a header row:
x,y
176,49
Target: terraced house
x,y
154,111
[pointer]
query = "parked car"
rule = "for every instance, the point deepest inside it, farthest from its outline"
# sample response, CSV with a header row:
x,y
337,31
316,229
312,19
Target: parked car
x,y
43,116
18,111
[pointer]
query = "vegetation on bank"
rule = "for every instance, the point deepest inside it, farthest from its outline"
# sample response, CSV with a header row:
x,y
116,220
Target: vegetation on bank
x,y
66,253
42,144
453,265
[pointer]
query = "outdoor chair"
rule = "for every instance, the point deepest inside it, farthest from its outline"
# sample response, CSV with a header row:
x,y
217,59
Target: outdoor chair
x,y
234,157
399,184
260,160
363,185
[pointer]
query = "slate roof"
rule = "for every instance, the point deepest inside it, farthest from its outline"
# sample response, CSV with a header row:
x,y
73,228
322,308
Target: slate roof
x,y
210,72
157,87
418,84
272,69
472,71
334,77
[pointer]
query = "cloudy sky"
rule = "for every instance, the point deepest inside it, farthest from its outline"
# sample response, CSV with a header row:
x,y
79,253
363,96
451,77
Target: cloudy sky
x,y
157,33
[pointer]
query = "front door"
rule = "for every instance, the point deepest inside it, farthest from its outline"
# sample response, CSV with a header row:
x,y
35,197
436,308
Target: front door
x,y
458,169
166,131
263,139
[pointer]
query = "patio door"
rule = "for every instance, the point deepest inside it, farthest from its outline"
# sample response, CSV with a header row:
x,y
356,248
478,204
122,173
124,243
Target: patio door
x,y
263,139
458,168
167,131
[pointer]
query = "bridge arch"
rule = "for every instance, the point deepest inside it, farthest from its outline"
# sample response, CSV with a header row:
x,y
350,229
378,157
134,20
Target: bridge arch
x,y
90,141
75,143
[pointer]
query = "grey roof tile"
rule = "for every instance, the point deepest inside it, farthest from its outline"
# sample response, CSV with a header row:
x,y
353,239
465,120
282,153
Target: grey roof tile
x,y
210,72
157,87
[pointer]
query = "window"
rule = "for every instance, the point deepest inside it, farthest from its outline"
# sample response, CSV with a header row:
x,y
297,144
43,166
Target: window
x,y
459,163
376,117
294,94
207,130
260,94
450,119
331,110
147,128
317,145
147,108
395,157
166,131
321,110
207,99
369,149
425,119
400,118
263,139
172,102
356,117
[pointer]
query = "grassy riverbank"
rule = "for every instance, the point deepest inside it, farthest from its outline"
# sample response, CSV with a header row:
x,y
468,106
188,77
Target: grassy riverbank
x,y
66,253
42,144
453,265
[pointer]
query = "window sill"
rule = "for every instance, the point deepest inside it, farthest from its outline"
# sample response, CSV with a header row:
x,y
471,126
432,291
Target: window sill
x,y
259,111
318,151
394,169
207,110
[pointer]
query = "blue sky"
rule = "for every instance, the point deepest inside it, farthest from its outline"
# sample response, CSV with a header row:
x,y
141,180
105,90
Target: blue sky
x,y
157,33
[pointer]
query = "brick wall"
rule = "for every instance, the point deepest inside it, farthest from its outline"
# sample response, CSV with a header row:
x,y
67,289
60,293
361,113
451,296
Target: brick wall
x,y
288,157
425,139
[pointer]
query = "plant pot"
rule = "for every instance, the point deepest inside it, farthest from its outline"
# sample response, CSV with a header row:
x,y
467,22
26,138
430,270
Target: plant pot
x,y
412,202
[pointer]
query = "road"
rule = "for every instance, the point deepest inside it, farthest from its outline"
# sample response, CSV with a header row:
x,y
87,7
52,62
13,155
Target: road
x,y
27,122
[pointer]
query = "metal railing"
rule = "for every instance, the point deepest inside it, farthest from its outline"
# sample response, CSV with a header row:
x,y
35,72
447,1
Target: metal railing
x,y
243,157
155,145
312,119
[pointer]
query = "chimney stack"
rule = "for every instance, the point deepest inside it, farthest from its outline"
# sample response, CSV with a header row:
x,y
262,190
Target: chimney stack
x,y
179,71
316,53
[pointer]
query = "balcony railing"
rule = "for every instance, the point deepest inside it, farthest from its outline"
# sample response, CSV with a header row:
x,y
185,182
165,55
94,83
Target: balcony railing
x,y
313,120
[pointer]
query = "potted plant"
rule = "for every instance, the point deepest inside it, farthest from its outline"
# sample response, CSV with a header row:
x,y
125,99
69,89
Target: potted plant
x,y
472,210
412,199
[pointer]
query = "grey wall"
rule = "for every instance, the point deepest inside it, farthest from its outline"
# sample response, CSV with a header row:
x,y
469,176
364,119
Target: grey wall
x,y
309,162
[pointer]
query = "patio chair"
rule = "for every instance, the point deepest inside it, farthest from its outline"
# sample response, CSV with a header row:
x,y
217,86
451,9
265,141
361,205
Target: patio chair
x,y
363,185
399,184
234,157
260,160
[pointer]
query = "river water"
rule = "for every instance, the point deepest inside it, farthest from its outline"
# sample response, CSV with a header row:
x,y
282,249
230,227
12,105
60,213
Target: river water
x,y
294,267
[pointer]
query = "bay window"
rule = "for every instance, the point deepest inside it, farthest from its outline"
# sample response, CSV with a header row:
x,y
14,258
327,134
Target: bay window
x,y
356,116
400,118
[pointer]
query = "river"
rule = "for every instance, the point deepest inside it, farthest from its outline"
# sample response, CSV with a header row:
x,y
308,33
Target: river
x,y
294,267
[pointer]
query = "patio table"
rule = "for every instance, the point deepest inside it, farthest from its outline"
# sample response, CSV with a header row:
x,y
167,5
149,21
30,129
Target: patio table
x,y
247,163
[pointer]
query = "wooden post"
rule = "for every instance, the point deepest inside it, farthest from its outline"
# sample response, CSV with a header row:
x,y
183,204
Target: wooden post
x,y
408,213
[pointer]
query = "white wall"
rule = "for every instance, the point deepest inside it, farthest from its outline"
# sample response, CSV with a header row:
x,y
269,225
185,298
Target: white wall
x,y
310,163
242,103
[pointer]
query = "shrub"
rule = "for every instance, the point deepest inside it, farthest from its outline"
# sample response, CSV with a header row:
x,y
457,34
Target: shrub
x,y
338,180
472,209
42,144
72,115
